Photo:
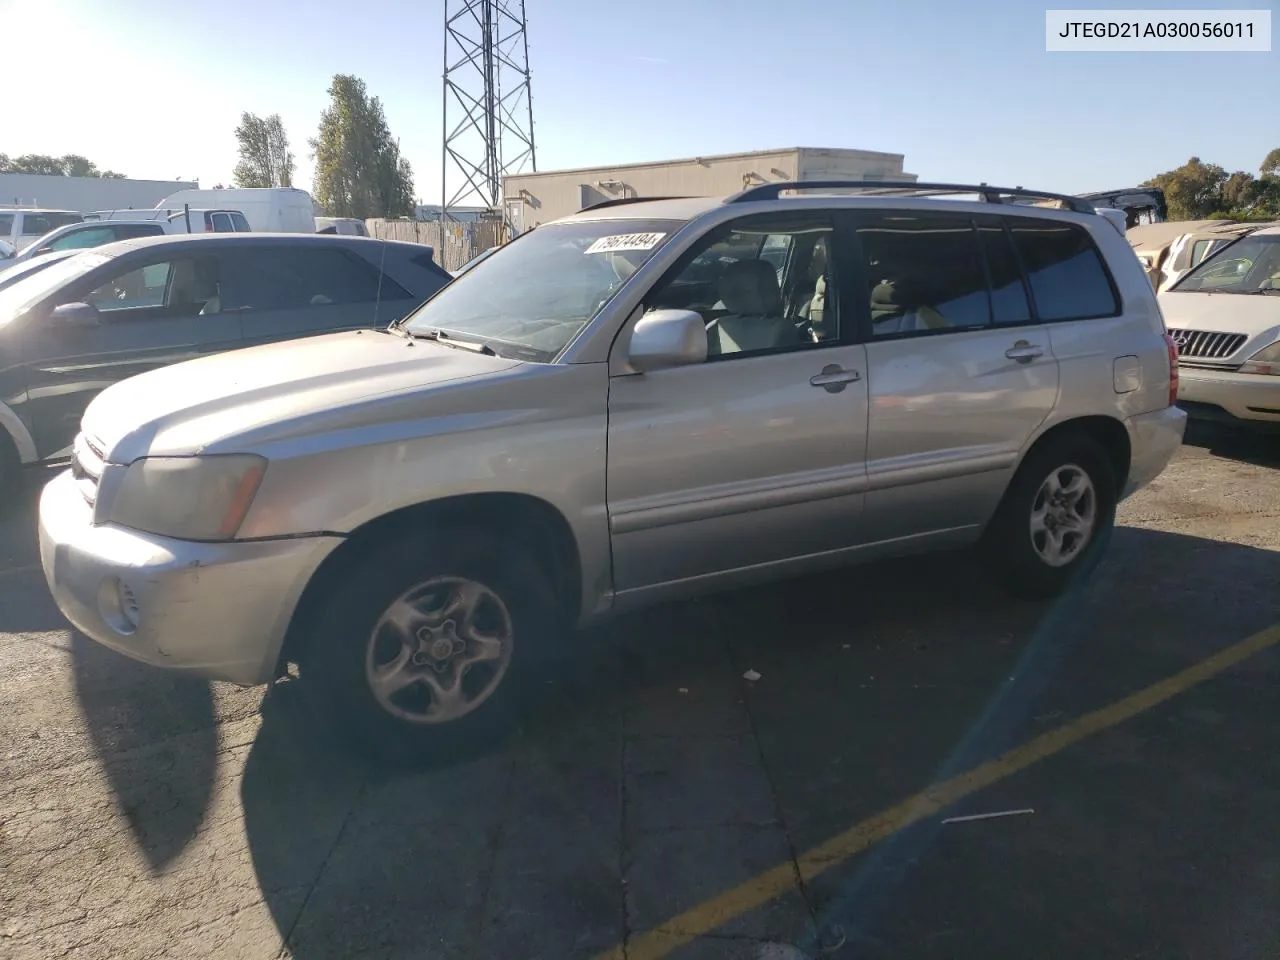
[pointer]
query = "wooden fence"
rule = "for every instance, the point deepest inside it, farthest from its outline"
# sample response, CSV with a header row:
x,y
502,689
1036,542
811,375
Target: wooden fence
x,y
454,243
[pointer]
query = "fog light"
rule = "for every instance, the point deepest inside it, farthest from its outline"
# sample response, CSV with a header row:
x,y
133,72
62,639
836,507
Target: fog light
x,y
118,606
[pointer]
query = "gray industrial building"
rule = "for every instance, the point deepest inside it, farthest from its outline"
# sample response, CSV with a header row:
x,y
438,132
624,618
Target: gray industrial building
x,y
85,194
534,198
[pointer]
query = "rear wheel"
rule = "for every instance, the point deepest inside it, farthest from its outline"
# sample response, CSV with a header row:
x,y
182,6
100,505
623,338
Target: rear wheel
x,y
1056,518
422,649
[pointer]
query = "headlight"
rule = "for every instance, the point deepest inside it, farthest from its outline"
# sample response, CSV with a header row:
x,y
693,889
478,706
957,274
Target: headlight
x,y
1266,360
188,498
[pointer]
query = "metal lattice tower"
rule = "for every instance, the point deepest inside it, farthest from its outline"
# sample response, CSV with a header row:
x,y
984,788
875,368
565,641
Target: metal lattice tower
x,y
488,107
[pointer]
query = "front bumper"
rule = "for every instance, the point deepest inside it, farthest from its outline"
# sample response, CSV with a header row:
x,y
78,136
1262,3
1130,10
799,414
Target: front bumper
x,y
1244,396
215,610
1153,440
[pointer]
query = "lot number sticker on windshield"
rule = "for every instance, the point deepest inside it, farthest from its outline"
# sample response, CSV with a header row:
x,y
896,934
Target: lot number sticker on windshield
x,y
625,241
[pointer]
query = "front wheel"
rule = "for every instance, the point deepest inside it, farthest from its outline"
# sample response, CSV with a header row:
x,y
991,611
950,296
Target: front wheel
x,y
1056,518
421,649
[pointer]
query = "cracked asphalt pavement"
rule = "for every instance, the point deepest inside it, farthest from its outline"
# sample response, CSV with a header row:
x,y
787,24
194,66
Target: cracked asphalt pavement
x,y
145,815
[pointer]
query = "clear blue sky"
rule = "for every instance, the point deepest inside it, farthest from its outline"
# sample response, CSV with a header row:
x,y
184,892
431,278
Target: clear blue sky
x,y
966,91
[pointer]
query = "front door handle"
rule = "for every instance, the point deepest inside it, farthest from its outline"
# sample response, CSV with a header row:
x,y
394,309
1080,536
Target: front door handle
x,y
1024,351
834,377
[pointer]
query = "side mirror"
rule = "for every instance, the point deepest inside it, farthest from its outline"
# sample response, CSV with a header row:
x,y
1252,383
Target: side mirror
x,y
76,315
668,338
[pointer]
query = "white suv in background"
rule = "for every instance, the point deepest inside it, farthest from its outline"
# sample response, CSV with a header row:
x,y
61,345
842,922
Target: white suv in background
x,y
1224,316
20,227
647,400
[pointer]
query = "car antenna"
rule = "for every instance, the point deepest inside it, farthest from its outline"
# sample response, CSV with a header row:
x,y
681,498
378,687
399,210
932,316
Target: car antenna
x,y
382,266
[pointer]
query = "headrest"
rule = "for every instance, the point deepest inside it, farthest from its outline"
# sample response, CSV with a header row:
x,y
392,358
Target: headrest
x,y
892,293
750,288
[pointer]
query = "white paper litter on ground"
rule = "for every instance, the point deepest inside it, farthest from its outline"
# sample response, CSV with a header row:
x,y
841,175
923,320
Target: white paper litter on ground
x,y
989,816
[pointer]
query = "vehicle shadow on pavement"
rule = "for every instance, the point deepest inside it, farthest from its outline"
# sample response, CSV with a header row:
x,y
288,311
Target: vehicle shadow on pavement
x,y
1259,449
163,791
649,729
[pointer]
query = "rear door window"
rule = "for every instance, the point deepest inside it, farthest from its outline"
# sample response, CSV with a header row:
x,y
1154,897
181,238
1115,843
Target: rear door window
x,y
1009,303
282,278
6,224
1068,278
222,223
926,273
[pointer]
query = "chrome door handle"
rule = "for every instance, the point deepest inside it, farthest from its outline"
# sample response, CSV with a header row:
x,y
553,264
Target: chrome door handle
x,y
834,377
1024,351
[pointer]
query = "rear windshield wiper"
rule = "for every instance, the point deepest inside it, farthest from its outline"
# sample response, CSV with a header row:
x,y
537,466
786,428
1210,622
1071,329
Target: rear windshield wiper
x,y
440,336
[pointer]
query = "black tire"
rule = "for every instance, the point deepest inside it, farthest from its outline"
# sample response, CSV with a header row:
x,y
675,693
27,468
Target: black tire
x,y
1009,541
333,680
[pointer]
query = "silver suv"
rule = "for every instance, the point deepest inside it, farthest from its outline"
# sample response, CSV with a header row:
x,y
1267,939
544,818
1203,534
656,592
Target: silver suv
x,y
642,401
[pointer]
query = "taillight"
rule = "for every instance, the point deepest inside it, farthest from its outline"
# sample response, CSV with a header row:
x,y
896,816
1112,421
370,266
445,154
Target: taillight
x,y
1173,368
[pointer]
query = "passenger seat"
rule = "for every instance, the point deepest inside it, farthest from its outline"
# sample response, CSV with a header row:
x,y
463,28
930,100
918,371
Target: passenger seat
x,y
749,290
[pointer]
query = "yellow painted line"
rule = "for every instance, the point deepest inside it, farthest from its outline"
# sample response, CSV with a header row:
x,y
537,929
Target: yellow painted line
x,y
759,890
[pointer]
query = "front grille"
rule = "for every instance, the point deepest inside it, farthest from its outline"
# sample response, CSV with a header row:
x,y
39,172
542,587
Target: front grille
x,y
1207,345
86,466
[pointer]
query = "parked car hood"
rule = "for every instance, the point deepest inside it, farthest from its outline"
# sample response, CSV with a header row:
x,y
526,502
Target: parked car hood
x,y
188,407
1220,312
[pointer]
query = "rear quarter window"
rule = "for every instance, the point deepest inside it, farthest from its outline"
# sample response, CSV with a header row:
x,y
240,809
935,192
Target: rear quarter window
x,y
433,275
1068,278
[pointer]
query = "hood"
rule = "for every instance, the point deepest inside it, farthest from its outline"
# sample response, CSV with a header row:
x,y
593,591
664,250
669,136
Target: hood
x,y
1221,312
188,407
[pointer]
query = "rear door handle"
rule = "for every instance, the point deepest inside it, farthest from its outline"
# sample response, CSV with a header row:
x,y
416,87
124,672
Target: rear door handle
x,y
834,377
1024,351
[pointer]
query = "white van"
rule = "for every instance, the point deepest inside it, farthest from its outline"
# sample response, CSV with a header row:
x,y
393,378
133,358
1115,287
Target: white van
x,y
268,209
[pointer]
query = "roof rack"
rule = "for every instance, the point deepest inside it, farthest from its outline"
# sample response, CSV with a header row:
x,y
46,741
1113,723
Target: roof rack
x,y
771,191
619,201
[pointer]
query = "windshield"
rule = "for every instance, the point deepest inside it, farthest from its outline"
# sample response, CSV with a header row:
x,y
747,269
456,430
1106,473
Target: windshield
x,y
18,297
534,294
1249,265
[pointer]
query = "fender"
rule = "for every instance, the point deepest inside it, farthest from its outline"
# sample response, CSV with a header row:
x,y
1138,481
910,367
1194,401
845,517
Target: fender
x,y
18,431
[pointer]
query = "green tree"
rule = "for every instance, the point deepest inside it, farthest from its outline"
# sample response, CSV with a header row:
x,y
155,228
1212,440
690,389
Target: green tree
x,y
1193,190
265,159
72,165
1239,191
1271,164
359,170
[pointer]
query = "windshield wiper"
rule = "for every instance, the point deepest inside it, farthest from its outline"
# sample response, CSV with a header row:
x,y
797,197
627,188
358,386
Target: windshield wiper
x,y
1259,292
440,336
